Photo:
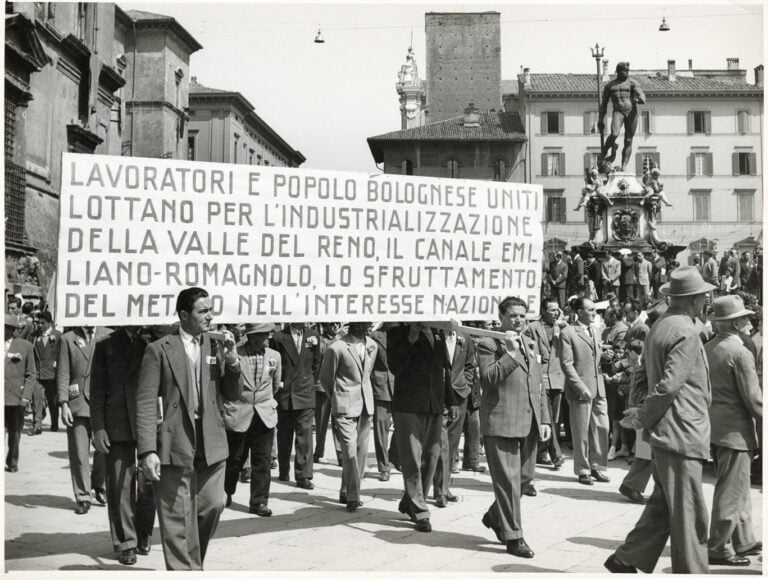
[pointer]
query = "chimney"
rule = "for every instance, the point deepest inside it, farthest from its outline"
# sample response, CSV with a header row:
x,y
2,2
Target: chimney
x,y
671,70
733,63
606,72
194,80
471,116
527,77
759,76
690,64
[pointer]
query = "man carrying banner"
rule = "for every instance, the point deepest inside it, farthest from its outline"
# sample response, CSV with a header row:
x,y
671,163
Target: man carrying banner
x,y
184,448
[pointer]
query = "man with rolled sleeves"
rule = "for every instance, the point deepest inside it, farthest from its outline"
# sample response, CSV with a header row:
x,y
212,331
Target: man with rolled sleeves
x,y
737,404
114,383
181,438
419,360
383,383
675,421
514,414
73,377
19,377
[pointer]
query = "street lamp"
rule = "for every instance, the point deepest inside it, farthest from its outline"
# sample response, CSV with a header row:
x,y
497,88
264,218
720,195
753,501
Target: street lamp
x,y
597,54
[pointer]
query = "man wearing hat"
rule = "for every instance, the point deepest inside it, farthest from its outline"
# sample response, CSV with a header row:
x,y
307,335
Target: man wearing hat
x,y
736,406
250,420
20,375
674,417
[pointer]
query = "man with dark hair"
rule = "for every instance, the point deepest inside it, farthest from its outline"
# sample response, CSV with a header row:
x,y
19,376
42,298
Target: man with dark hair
x,y
419,360
330,332
46,349
181,438
558,277
595,274
709,270
644,274
383,383
19,379
658,271
514,414
14,306
576,274
580,355
627,278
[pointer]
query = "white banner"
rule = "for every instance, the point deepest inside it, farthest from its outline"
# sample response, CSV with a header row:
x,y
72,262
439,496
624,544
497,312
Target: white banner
x,y
272,244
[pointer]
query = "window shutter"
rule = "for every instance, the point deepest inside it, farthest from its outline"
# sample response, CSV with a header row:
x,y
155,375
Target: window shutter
x,y
690,122
587,159
691,166
651,123
562,164
543,123
561,123
543,164
708,122
735,163
708,162
638,163
587,122
562,210
657,160
753,164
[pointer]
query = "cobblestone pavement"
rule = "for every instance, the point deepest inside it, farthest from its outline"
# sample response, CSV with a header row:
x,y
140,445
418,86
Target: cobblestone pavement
x,y
571,527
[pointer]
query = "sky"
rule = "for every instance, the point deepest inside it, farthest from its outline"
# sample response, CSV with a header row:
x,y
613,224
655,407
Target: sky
x,y
326,99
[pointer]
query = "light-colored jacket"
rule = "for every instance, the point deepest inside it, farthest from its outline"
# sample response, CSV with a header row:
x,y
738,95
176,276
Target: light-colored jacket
x,y
580,359
257,395
347,378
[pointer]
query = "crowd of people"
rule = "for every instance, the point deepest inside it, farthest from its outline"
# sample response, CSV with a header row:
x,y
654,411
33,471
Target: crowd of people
x,y
662,370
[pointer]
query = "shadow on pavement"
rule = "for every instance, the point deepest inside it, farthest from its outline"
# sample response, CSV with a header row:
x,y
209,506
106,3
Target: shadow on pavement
x,y
518,568
106,567
93,544
607,544
60,455
589,495
35,501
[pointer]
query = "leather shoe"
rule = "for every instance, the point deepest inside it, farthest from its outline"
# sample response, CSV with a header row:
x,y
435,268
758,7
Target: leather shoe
x,y
228,503
519,548
261,509
144,545
423,525
273,464
384,476
487,523
284,477
734,560
755,550
543,460
305,484
558,463
530,490
615,566
82,507
451,498
11,468
631,494
128,557
599,476
353,505
342,498
585,479
245,475
441,502
404,508
101,496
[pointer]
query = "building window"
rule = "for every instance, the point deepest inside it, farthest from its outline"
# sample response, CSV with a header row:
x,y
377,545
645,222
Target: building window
x,y
744,163
745,208
590,159
555,205
742,122
453,168
407,167
700,164
191,141
258,159
647,160
552,123
701,200
646,122
237,146
699,122
266,162
500,170
552,163
250,157
15,181
590,122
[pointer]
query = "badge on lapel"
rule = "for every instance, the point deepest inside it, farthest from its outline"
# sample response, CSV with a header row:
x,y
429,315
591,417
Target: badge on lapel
x,y
211,360
311,341
80,343
14,356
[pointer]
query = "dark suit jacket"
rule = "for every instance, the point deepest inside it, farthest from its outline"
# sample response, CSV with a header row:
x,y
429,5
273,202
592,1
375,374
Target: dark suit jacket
x,y
382,379
463,365
553,378
658,278
627,276
595,273
114,382
422,373
20,373
165,373
580,359
46,355
576,271
74,366
301,370
257,396
512,390
558,274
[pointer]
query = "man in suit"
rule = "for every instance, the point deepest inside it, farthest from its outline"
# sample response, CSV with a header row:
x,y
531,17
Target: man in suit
x,y
419,360
345,375
299,348
709,270
644,275
73,378
611,273
114,383
514,414
595,273
576,273
658,271
471,429
250,420
330,332
46,349
546,335
558,276
737,404
627,278
461,355
19,377
181,438
674,417
383,384
580,355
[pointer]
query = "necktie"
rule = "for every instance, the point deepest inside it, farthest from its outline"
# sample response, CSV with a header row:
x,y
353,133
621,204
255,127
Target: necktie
x,y
450,343
298,341
90,336
196,366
